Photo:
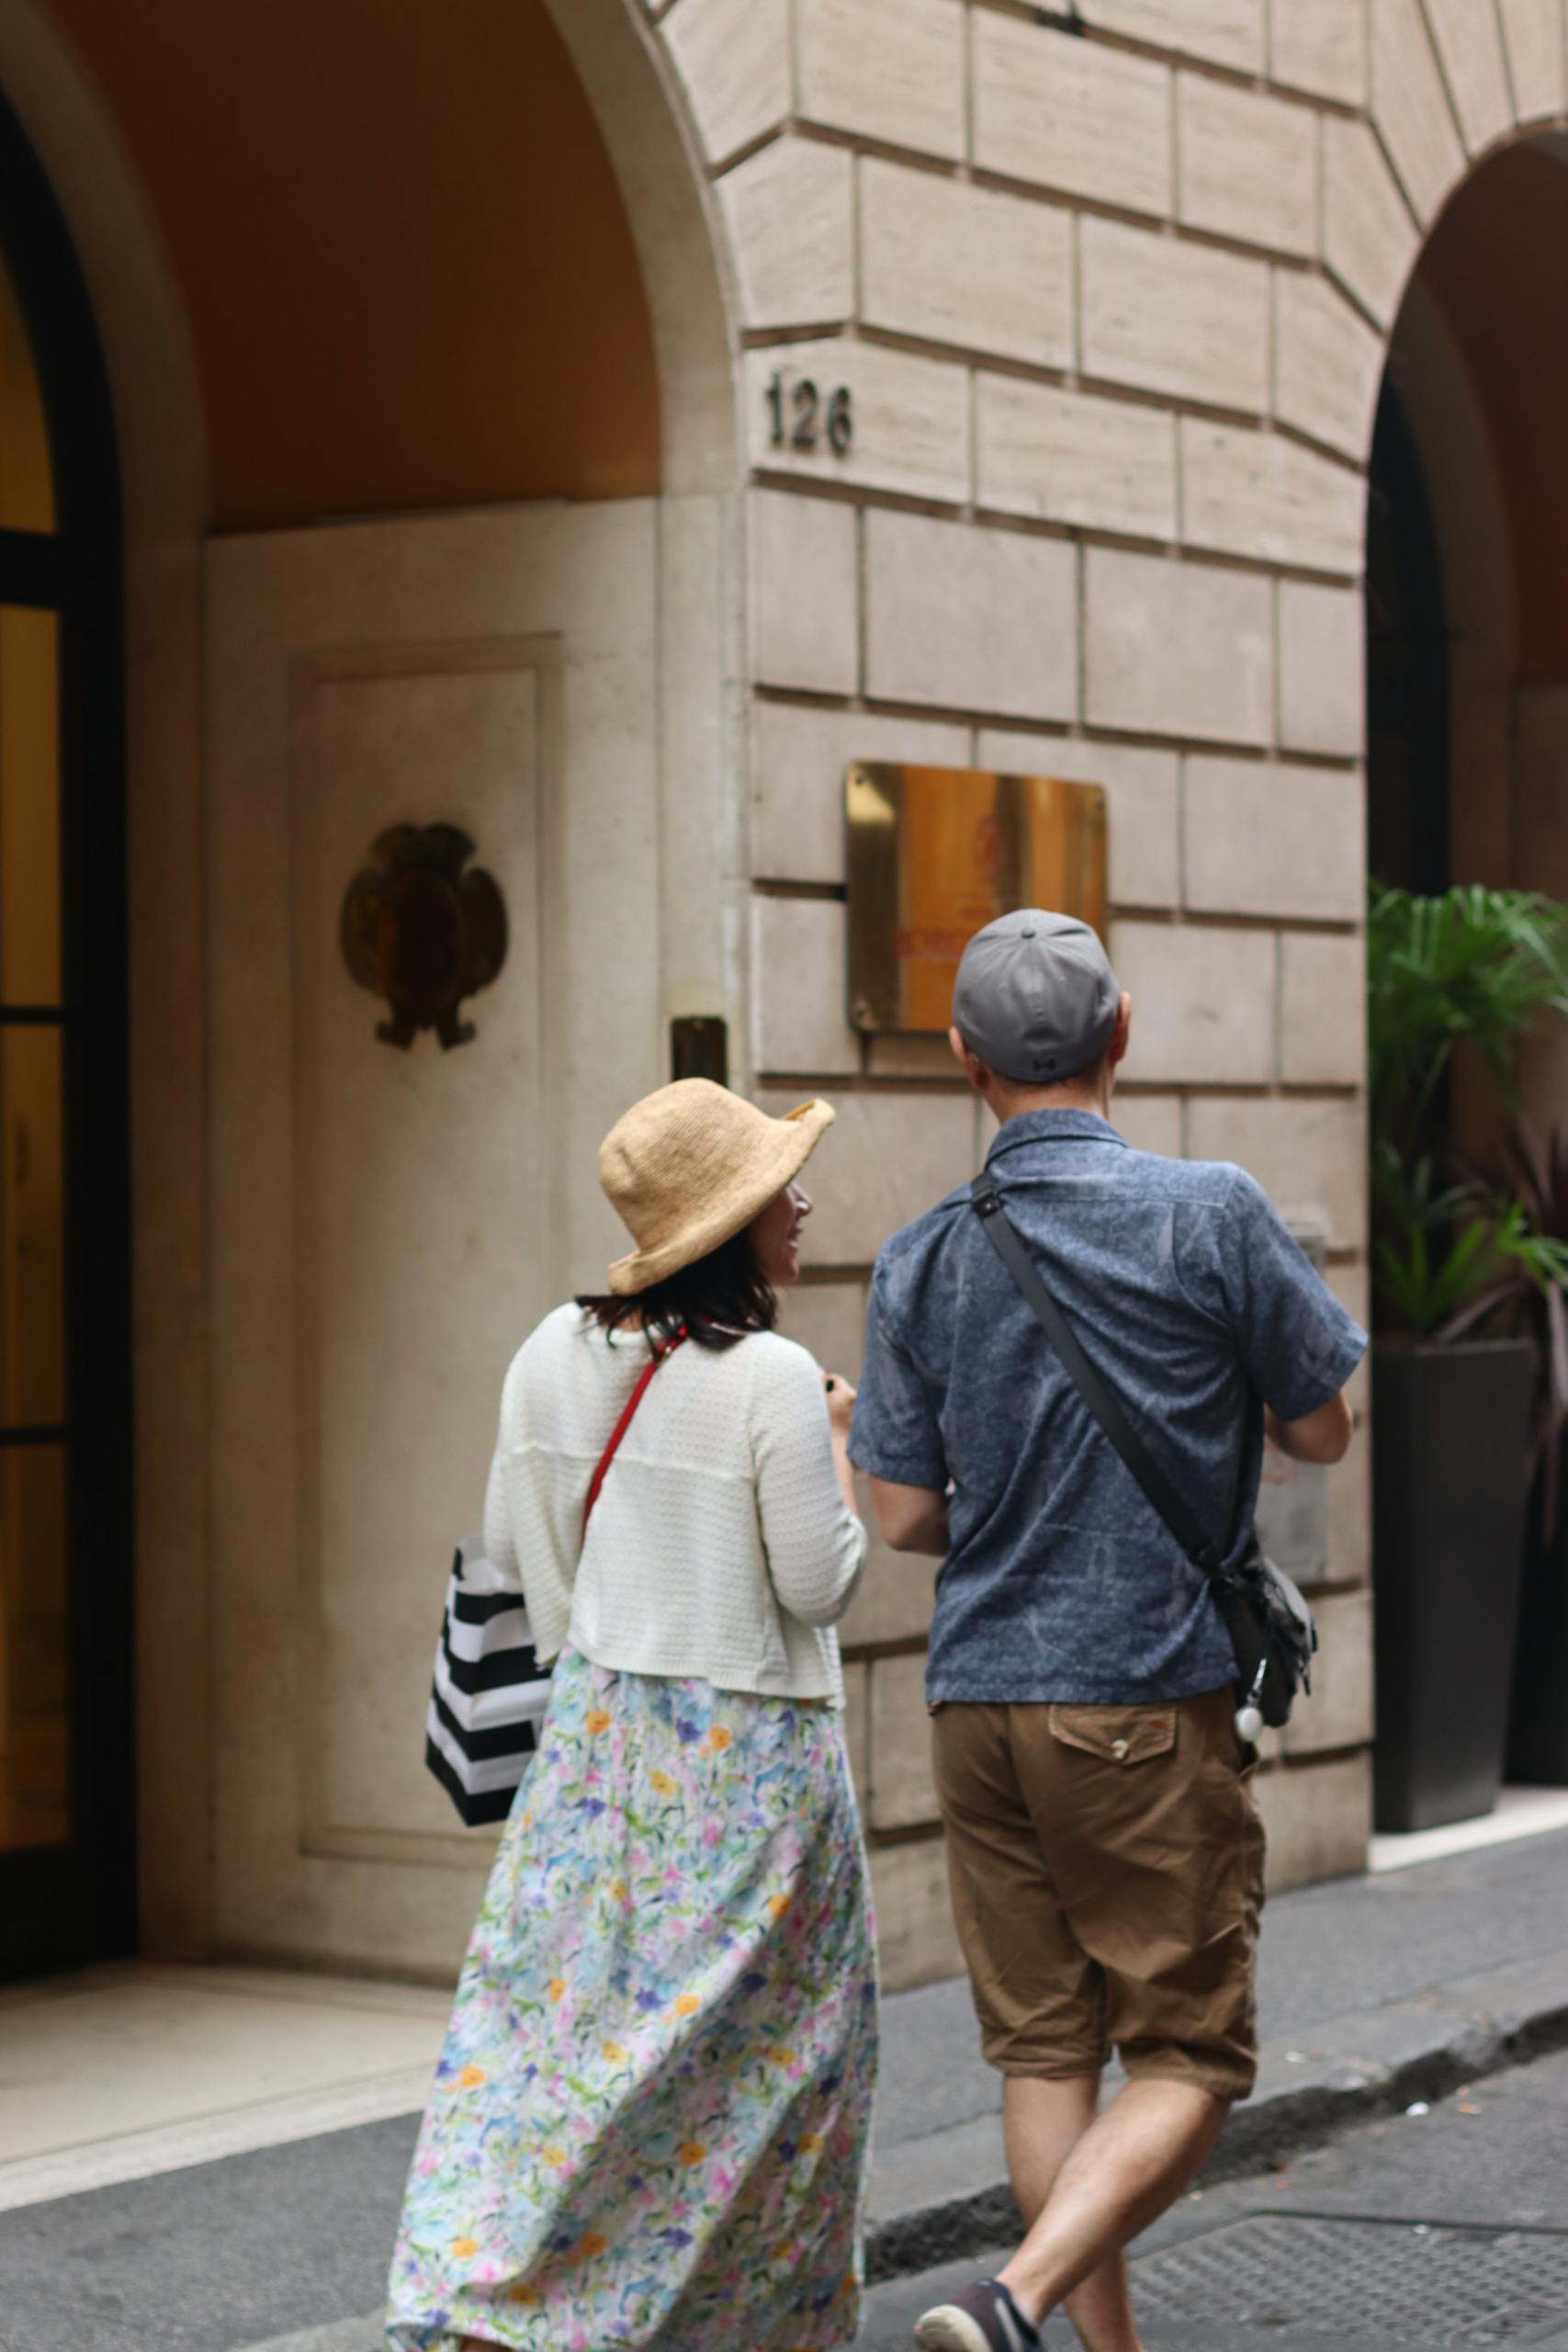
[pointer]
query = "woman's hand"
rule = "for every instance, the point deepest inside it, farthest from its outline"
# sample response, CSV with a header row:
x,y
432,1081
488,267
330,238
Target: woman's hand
x,y
840,1398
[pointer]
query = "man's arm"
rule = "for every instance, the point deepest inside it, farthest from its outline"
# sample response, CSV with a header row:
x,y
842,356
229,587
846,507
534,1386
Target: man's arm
x,y
1296,1340
1323,1436
912,1519
897,1430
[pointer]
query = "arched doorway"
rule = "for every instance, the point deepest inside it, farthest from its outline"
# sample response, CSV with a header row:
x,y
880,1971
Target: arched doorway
x,y
1467,690
66,1806
519,138
432,614
1467,560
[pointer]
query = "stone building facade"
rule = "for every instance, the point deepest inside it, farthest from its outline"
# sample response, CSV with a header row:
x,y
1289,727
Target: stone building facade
x,y
1112,290
1114,298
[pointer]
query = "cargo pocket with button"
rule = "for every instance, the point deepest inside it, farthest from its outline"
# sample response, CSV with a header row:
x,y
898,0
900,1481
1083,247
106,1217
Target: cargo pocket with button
x,y
1115,1734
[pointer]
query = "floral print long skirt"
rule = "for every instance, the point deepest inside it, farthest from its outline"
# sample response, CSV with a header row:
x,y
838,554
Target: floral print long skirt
x,y
651,2122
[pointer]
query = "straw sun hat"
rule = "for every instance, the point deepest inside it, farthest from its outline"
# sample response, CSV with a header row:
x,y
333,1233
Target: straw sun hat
x,y
686,1168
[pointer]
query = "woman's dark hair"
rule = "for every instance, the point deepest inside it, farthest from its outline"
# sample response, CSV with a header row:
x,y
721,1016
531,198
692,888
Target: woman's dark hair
x,y
719,1299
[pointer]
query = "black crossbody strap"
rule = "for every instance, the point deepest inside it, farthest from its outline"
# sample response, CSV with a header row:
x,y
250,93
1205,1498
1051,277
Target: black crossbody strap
x,y
1156,1487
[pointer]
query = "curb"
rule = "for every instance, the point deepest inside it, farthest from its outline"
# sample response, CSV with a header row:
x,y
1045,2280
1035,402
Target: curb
x,y
1346,2073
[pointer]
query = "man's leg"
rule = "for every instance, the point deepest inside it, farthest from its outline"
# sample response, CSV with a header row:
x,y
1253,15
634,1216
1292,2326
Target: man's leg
x,y
1040,2001
1158,1850
1121,2175
1153,1848
1043,2123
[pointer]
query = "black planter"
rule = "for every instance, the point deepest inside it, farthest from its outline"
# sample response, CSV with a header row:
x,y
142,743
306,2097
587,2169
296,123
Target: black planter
x,y
1538,1720
1450,1438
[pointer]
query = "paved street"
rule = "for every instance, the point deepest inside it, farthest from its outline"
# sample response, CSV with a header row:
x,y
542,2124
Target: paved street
x,y
1384,2240
1347,2249
1377,1992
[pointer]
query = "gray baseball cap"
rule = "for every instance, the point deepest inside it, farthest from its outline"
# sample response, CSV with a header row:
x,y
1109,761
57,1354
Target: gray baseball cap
x,y
1035,997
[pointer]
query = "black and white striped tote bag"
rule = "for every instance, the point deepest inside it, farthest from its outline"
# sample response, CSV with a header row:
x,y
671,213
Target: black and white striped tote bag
x,y
489,1692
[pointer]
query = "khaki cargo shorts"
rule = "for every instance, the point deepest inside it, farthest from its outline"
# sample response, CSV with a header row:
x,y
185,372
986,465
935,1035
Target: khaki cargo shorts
x,y
1106,1874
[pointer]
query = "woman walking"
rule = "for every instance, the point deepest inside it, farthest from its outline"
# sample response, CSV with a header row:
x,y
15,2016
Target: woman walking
x,y
650,2125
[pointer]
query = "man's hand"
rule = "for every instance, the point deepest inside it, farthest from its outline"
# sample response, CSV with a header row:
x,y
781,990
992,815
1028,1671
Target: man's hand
x,y
912,1519
1323,1436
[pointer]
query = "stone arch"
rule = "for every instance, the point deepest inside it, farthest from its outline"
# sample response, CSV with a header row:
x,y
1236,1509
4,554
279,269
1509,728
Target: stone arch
x,y
151,359
632,93
1482,188
1477,336
1451,81
1464,164
1442,101
635,98
1456,87
1465,99
439,261
146,338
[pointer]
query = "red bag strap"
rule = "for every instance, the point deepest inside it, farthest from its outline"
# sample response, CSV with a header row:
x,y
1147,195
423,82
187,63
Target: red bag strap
x,y
624,1424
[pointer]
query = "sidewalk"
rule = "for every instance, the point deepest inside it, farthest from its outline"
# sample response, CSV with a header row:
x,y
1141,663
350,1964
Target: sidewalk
x,y
214,2133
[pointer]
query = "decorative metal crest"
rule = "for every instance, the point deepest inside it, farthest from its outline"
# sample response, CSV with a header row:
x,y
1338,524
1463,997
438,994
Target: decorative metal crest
x,y
422,932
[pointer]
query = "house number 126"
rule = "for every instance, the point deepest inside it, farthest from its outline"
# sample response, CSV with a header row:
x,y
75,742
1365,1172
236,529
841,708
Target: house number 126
x,y
801,414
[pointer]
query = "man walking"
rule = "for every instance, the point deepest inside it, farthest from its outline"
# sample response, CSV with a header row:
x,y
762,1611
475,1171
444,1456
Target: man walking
x,y
1104,1851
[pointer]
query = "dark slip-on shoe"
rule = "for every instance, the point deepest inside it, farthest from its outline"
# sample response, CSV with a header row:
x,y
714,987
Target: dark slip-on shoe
x,y
982,2318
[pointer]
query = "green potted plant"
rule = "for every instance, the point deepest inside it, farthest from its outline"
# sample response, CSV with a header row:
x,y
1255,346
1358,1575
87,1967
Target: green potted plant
x,y
1534,1169
1453,1376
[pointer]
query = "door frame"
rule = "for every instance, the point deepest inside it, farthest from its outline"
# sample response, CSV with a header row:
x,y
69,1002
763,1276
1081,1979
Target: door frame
x,y
1402,531
66,1904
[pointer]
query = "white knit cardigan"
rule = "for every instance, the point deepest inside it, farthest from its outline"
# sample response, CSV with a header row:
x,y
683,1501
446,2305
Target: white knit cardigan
x,y
720,1545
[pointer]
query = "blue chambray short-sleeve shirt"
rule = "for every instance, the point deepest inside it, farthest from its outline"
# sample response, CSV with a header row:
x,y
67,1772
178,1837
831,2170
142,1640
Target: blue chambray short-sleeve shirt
x,y
1187,1292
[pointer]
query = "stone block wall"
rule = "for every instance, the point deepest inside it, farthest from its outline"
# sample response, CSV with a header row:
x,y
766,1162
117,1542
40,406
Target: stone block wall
x,y
1110,301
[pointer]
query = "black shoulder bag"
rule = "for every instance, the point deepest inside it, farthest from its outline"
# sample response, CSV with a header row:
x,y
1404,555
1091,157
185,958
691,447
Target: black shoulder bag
x,y
1269,1624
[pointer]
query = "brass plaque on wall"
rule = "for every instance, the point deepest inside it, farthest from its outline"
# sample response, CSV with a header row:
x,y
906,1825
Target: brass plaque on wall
x,y
935,855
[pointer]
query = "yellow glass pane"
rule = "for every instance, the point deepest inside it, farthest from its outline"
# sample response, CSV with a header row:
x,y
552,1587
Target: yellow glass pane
x,y
35,1685
27,477
30,807
32,1228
